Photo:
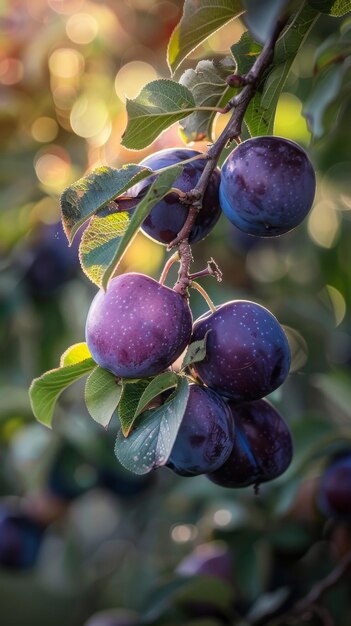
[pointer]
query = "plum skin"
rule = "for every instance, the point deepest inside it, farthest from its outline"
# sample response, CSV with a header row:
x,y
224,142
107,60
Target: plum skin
x,y
262,450
247,351
208,559
206,434
334,496
168,216
20,540
267,186
137,327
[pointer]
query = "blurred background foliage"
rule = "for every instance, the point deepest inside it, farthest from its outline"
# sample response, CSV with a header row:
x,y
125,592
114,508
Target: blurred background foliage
x,y
98,538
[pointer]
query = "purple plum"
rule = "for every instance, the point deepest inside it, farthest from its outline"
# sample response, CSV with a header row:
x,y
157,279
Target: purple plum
x,y
206,434
20,539
208,559
137,327
262,449
247,351
168,216
334,497
267,186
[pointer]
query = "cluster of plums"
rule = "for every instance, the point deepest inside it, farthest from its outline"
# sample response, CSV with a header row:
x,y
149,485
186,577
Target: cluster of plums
x,y
138,328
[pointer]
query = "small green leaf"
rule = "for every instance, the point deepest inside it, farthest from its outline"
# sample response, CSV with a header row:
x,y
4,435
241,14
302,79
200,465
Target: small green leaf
x,y
261,17
200,19
196,352
150,443
159,384
159,188
89,194
336,8
102,394
132,391
210,89
245,53
44,391
75,354
260,114
160,104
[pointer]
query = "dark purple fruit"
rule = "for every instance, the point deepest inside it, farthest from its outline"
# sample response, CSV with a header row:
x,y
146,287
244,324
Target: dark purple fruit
x,y
334,497
206,434
208,559
20,539
267,186
137,327
262,449
168,216
247,351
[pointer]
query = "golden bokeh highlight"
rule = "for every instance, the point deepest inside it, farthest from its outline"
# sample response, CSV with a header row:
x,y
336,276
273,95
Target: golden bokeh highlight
x,y
53,169
289,122
89,116
11,71
338,304
66,63
324,224
82,28
65,7
132,77
144,255
44,129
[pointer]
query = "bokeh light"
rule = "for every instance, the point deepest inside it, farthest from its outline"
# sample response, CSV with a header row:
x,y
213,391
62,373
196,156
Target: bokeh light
x,y
132,77
44,129
82,28
66,63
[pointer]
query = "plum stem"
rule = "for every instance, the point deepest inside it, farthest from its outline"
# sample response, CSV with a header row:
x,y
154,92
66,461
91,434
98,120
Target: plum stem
x,y
186,258
204,294
238,104
212,269
173,259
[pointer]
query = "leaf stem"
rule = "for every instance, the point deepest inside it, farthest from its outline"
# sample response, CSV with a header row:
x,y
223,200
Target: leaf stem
x,y
173,259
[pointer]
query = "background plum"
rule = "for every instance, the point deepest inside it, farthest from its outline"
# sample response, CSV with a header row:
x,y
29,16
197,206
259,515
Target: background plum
x,y
113,617
20,539
208,559
247,351
267,186
262,449
334,496
138,327
168,216
206,434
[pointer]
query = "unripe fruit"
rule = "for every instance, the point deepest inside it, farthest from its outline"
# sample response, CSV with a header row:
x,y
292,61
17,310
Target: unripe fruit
x,y
267,186
247,351
168,216
334,497
262,449
206,434
137,327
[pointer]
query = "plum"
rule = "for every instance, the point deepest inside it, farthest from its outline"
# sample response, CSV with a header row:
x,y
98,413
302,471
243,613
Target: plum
x,y
113,617
262,449
267,186
247,351
137,327
334,496
208,559
206,434
20,539
168,216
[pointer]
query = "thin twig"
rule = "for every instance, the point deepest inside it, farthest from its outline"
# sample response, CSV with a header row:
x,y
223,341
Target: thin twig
x,y
232,131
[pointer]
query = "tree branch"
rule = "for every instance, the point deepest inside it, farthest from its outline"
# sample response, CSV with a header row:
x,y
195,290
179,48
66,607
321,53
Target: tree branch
x,y
239,104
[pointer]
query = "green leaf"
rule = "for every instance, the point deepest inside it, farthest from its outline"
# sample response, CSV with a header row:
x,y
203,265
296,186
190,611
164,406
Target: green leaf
x,y
89,194
245,53
261,17
159,384
259,117
109,234
102,394
75,354
160,104
200,19
210,89
210,589
150,443
132,391
196,352
336,8
45,390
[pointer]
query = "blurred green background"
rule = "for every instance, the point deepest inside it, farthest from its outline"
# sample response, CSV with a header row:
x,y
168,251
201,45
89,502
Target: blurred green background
x,y
107,539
